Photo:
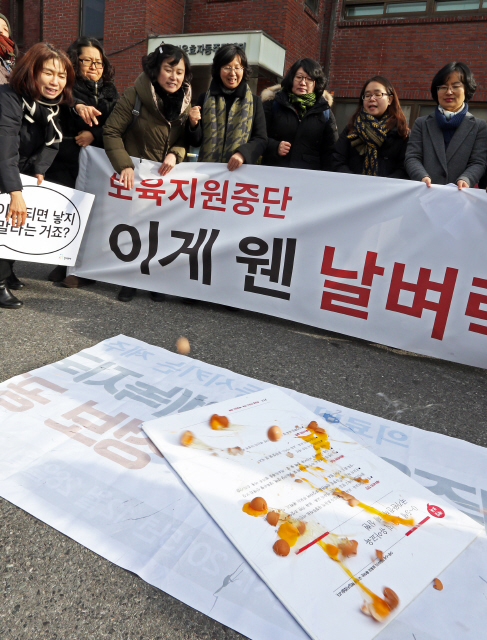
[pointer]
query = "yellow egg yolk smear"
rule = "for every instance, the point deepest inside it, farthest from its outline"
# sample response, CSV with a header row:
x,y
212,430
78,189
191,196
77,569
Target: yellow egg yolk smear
x,y
318,441
380,605
289,533
253,512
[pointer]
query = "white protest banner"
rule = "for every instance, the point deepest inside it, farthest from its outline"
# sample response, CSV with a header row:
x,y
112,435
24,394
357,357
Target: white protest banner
x,y
308,480
389,261
73,454
56,221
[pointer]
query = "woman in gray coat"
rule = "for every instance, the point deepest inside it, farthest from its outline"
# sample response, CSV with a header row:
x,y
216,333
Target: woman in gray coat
x,y
449,145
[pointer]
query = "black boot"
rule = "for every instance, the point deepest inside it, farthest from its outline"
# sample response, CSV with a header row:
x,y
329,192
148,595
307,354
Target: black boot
x,y
14,283
7,299
126,294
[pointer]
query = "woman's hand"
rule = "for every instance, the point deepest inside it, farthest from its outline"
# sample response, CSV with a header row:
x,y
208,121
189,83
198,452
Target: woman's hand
x,y
461,184
39,177
427,180
194,116
283,148
88,113
235,161
168,164
84,138
127,178
17,210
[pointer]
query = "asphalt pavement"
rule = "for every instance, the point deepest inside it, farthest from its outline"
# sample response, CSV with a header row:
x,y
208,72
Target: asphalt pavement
x,y
54,588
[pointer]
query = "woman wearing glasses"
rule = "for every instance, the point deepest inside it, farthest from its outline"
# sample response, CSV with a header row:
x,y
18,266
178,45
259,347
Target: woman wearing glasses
x,y
374,141
93,88
300,125
449,145
228,122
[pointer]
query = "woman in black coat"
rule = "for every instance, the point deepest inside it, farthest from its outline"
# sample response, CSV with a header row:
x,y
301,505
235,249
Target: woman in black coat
x,y
301,128
93,87
30,132
374,141
228,122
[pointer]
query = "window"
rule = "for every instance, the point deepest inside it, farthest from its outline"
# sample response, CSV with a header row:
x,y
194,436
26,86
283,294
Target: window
x,y
359,9
313,5
93,18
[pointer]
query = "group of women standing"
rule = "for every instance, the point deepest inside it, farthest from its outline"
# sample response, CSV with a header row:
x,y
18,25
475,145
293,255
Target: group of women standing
x,y
54,104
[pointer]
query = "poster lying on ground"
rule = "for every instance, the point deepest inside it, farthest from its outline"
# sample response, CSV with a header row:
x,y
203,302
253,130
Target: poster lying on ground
x,y
343,539
390,261
56,221
73,453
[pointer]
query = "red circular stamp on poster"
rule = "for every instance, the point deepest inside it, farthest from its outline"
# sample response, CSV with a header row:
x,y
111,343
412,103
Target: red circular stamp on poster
x,y
435,511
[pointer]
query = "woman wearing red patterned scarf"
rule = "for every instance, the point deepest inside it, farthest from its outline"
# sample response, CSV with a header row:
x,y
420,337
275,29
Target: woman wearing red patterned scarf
x,y
8,50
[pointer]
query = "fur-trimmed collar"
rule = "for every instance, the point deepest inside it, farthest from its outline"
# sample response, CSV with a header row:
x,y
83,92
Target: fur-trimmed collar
x,y
270,94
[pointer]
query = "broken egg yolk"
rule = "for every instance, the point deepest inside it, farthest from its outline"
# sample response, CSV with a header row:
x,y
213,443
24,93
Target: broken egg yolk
x,y
218,422
256,508
289,533
318,439
187,438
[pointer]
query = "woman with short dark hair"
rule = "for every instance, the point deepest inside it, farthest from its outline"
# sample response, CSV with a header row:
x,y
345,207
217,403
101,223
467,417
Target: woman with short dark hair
x,y
301,128
158,132
449,145
374,141
93,87
228,122
30,133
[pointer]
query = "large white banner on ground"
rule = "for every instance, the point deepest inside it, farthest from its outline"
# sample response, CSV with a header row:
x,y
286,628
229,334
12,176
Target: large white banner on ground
x,y
73,454
280,482
56,221
389,261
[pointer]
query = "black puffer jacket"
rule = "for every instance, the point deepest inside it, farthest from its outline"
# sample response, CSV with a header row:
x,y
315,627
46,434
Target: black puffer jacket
x,y
312,138
346,159
103,96
22,143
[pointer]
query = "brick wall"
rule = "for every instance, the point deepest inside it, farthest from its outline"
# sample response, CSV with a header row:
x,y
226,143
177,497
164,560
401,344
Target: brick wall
x,y
406,51
60,25
287,21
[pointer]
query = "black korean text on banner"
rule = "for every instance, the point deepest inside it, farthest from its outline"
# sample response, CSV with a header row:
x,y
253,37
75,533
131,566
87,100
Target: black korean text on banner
x,y
270,266
50,227
190,247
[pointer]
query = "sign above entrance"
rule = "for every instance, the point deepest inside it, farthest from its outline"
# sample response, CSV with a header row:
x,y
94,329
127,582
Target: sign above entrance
x,y
261,50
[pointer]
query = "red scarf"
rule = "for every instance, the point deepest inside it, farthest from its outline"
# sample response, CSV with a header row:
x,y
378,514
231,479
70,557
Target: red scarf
x,y
6,48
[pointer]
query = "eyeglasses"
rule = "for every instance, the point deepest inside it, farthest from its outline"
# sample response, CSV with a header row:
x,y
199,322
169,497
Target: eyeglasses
x,y
91,63
375,94
458,86
305,78
230,69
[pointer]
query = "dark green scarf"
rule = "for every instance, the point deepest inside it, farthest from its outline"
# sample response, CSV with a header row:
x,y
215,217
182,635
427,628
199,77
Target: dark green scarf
x,y
366,137
302,103
220,142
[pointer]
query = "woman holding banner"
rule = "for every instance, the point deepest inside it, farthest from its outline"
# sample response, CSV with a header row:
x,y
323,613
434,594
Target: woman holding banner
x,y
228,122
93,87
301,128
374,141
450,145
155,130
30,132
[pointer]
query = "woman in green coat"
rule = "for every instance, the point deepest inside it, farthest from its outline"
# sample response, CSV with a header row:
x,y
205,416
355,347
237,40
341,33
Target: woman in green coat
x,y
158,132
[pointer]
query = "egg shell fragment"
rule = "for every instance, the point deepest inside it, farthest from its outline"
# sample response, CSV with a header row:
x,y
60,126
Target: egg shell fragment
x,y
281,548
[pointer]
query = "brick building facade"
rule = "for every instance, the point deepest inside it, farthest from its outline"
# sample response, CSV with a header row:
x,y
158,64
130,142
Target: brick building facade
x,y
404,40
